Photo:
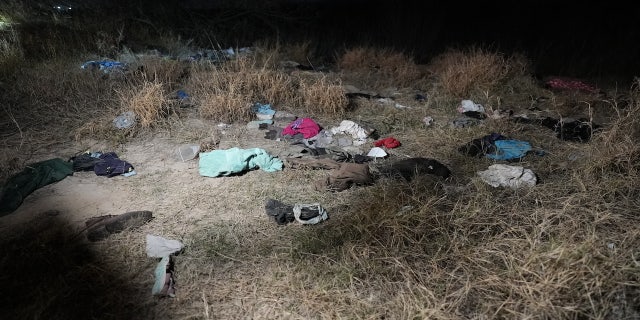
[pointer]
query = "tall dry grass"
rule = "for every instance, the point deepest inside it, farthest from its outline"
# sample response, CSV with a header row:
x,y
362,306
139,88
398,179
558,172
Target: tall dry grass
x,y
227,92
379,68
462,70
149,102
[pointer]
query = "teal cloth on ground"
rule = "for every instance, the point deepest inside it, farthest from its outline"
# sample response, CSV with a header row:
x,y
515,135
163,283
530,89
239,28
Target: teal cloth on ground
x,y
509,149
34,176
160,273
235,160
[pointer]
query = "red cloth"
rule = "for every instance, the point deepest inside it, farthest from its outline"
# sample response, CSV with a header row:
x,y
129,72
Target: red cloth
x,y
306,126
387,142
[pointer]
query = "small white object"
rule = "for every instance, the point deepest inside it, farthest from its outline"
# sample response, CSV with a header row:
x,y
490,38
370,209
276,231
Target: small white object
x,y
468,105
377,152
187,152
159,247
427,121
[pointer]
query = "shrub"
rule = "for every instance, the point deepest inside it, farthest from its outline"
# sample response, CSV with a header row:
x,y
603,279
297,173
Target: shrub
x,y
461,71
386,66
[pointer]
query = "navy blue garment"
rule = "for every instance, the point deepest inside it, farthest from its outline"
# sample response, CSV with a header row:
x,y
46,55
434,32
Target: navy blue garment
x,y
111,165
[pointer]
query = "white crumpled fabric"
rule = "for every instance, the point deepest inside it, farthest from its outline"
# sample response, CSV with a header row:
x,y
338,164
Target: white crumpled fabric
x,y
358,133
159,247
502,175
468,105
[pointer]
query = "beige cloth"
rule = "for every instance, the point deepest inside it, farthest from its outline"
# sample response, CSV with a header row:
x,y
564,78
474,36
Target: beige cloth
x,y
343,178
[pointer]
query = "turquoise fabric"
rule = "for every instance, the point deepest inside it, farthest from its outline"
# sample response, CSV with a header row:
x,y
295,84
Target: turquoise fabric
x,y
235,160
509,150
34,176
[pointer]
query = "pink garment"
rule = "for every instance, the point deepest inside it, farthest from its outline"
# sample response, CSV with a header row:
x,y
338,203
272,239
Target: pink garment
x,y
306,126
571,84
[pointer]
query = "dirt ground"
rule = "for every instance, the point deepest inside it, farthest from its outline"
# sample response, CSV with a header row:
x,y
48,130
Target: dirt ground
x,y
172,189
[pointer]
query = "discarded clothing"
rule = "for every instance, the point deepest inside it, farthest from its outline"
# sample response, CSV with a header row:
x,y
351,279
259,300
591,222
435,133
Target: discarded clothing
x,y
100,228
165,283
509,150
34,176
410,168
358,133
111,166
273,134
263,109
323,139
468,105
570,84
347,175
181,94
158,247
497,147
84,162
580,130
306,126
481,146
235,160
281,213
309,213
502,175
475,115
387,143
105,66
377,152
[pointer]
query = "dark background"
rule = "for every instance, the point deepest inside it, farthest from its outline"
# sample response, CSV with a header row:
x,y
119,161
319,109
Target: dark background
x,y
560,38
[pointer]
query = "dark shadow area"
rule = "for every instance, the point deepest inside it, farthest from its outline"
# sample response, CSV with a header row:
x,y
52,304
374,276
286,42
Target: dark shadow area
x,y
570,39
49,272
561,39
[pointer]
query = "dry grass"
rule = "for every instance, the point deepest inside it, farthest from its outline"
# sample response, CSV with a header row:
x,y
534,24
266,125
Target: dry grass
x,y
323,97
462,71
454,249
149,102
226,93
379,68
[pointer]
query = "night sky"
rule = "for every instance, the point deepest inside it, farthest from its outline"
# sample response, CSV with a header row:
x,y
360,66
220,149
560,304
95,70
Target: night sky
x,y
560,37
572,38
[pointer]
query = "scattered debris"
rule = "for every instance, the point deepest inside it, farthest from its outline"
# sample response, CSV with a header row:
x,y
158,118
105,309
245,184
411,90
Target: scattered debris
x,y
187,152
159,247
235,160
502,175
125,120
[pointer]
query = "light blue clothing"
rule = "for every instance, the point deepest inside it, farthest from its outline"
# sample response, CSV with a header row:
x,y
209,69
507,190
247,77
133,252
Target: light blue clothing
x,y
509,149
263,109
235,160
